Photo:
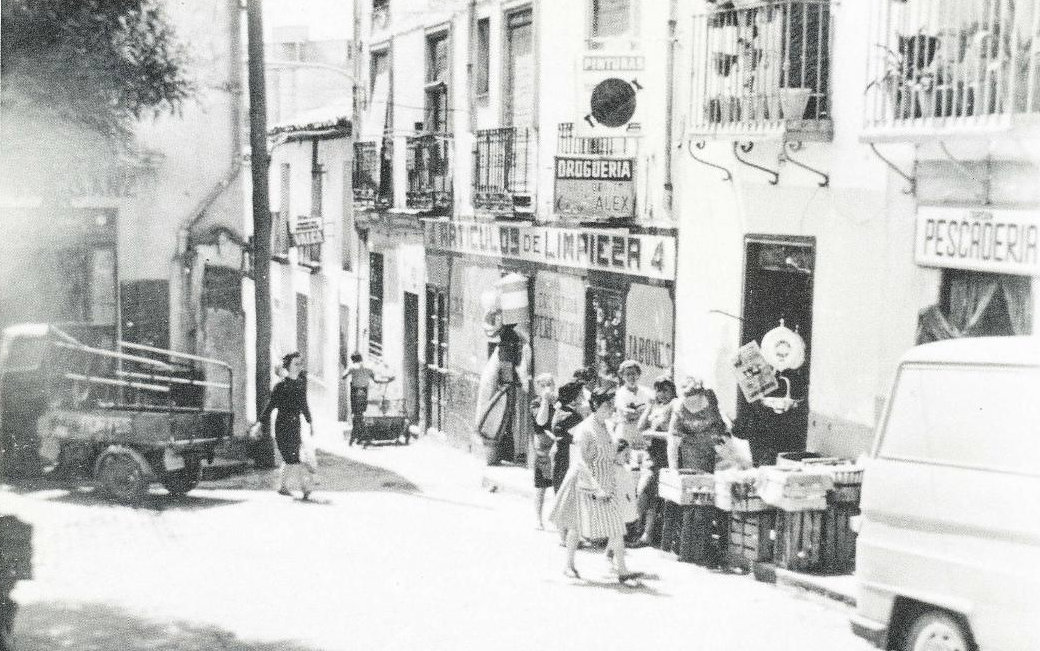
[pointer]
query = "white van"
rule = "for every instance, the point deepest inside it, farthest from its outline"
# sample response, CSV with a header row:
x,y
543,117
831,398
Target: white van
x,y
948,554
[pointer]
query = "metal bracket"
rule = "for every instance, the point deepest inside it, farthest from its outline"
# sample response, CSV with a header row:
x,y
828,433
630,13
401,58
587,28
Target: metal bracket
x,y
984,184
786,158
911,181
746,148
700,145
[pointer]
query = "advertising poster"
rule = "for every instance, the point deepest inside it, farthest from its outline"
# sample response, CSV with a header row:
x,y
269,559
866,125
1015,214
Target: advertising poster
x,y
559,324
649,319
755,376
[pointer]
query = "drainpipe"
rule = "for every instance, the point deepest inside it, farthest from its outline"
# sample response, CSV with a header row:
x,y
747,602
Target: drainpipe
x,y
669,107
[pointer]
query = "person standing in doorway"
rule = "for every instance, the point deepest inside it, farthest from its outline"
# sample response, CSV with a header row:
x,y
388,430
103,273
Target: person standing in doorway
x,y
360,376
289,398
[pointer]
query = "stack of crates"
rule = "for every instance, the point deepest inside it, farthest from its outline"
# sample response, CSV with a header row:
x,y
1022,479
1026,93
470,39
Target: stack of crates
x,y
838,544
800,494
751,521
690,521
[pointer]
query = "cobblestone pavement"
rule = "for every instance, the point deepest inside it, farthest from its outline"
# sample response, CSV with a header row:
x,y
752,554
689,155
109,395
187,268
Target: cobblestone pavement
x,y
402,550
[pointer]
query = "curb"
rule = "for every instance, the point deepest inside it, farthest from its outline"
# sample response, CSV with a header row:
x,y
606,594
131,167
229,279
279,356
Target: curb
x,y
791,579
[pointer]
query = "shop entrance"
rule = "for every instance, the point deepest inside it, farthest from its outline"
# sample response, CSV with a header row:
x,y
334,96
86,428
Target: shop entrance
x,y
410,363
604,330
435,390
778,286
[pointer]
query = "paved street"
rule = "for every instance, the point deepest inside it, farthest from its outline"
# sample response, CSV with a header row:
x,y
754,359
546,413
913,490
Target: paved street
x,y
403,550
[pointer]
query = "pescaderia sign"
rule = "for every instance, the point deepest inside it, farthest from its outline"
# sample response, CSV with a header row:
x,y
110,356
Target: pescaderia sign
x,y
595,188
979,239
637,254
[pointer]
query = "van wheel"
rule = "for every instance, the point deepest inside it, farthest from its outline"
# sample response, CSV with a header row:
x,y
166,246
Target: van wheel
x,y
937,630
179,482
122,476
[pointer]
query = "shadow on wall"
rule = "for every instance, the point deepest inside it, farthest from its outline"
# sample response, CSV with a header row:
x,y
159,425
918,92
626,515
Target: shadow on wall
x,y
99,627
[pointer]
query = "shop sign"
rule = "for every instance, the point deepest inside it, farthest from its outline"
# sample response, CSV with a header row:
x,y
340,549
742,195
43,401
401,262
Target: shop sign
x,y
612,63
755,376
979,239
650,256
649,321
595,188
308,232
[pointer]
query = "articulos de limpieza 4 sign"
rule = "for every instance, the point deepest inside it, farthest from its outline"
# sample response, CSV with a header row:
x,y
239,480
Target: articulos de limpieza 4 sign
x,y
637,254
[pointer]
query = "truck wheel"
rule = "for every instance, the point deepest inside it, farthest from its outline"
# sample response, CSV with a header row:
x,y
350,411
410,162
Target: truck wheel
x,y
179,482
122,476
937,630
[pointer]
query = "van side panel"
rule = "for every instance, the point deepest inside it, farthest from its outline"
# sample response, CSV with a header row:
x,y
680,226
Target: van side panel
x,y
951,501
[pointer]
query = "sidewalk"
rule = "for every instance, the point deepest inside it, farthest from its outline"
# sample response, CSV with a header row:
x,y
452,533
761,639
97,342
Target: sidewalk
x,y
517,480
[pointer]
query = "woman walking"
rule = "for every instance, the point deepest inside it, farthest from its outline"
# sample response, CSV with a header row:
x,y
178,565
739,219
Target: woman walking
x,y
542,408
588,504
360,375
289,397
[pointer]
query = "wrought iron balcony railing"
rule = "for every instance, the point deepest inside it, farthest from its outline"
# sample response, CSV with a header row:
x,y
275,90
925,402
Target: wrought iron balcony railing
x,y
429,172
952,67
569,144
503,170
373,166
761,70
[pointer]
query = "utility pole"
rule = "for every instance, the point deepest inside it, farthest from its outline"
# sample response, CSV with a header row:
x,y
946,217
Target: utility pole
x,y
263,452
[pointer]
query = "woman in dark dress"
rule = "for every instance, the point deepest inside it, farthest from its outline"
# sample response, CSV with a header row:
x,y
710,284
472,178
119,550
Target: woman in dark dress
x,y
696,427
289,397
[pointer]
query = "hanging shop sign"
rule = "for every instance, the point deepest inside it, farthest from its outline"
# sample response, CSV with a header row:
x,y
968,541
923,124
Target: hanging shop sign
x,y
595,188
638,254
649,323
308,232
755,376
979,239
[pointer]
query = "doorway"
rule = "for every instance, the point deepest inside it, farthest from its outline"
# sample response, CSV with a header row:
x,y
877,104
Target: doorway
x,y
436,357
778,289
410,363
604,331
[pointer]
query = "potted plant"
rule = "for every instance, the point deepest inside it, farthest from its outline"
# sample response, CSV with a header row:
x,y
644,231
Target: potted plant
x,y
793,102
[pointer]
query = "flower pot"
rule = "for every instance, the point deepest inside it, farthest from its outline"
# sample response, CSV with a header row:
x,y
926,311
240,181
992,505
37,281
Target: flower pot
x,y
793,102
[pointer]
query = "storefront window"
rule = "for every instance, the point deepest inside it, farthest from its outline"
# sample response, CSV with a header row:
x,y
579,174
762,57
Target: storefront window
x,y
976,304
605,328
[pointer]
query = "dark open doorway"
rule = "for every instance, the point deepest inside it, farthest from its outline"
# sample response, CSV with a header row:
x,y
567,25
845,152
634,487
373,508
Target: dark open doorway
x,y
778,288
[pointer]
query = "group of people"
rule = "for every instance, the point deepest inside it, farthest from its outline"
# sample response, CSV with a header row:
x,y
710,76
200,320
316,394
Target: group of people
x,y
610,430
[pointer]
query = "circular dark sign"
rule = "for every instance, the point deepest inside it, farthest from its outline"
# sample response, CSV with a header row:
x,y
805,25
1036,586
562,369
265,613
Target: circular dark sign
x,y
613,102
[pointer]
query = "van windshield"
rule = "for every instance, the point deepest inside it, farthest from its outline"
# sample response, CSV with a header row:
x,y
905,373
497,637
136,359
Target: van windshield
x,y
985,417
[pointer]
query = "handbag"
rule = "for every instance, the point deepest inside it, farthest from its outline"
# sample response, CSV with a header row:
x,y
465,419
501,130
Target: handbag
x,y
308,455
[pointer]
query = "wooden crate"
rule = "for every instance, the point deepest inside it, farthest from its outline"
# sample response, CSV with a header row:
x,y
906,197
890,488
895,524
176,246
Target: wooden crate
x,y
671,516
798,540
838,540
750,538
685,487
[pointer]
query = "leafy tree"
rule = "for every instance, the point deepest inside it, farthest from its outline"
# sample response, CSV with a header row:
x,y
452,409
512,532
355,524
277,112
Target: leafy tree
x,y
75,76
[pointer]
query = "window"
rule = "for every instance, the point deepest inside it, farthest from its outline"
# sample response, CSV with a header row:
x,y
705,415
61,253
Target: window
x,y
939,415
437,83
380,13
379,90
375,304
483,63
976,304
519,91
610,18
280,219
222,288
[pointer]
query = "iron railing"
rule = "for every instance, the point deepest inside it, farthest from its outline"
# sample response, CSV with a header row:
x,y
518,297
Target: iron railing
x,y
429,172
570,144
762,70
938,67
503,169
372,174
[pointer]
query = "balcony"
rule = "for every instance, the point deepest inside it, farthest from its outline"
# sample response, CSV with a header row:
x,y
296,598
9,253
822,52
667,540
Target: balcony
x,y
429,173
371,167
568,144
942,68
762,71
503,171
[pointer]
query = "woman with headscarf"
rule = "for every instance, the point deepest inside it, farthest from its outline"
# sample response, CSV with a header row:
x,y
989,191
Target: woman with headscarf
x,y
696,427
588,503
289,397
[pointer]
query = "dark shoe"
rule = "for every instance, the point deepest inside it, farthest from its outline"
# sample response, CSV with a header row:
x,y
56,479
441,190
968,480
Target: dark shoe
x,y
571,573
306,495
636,544
284,491
630,576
